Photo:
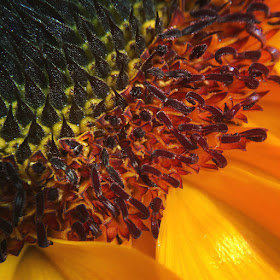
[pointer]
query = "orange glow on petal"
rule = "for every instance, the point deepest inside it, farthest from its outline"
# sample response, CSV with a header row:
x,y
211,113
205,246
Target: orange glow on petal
x,y
202,238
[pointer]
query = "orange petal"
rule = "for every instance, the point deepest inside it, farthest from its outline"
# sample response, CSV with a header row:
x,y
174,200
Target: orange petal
x,y
253,191
274,4
268,119
99,260
146,244
202,238
260,158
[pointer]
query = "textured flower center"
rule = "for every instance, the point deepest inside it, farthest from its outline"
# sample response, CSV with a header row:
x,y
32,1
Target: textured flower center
x,y
168,113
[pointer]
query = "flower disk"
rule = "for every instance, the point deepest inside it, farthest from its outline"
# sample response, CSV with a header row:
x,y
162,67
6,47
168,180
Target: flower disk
x,y
105,106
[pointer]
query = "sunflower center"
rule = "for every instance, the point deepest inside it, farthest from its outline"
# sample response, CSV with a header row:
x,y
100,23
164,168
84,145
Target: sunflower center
x,y
170,112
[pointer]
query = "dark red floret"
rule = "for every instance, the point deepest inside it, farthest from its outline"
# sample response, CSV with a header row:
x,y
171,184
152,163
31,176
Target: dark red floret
x,y
109,205
115,175
258,6
256,32
133,229
82,213
157,72
18,205
145,116
239,17
105,157
250,82
218,158
95,181
135,92
156,205
3,250
94,229
218,127
226,69
191,95
6,227
171,34
40,206
226,78
193,158
80,230
185,142
189,127
119,191
156,92
165,119
198,51
139,133
133,158
229,115
230,138
256,69
216,112
178,74
204,13
256,134
42,235
122,206
253,55
178,106
224,51
163,153
170,180
141,207
149,169
198,139
198,25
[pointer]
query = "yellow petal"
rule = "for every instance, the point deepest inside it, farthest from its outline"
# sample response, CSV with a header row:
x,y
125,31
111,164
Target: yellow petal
x,y
245,188
34,265
8,268
201,238
98,260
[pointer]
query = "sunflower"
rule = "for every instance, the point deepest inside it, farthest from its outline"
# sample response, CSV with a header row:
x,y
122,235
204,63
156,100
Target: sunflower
x,y
108,107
